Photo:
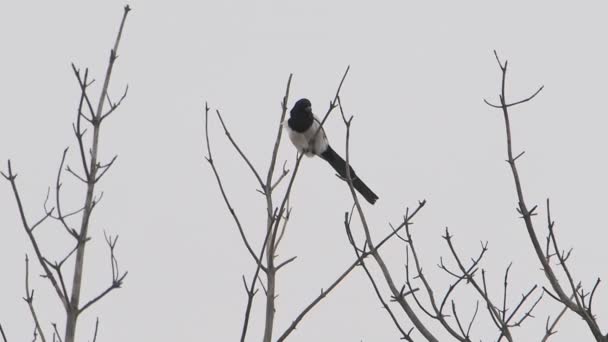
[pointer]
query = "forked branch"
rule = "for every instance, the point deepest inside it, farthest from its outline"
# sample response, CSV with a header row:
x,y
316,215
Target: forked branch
x,y
396,293
578,304
91,173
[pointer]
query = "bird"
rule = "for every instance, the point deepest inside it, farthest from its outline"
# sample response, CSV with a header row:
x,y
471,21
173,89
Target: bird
x,y
302,126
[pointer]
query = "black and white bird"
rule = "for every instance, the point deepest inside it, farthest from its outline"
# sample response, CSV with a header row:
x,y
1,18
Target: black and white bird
x,y
302,126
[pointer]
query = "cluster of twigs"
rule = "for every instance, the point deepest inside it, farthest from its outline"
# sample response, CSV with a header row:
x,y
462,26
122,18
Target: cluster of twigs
x,y
409,297
504,319
277,218
92,172
408,293
573,296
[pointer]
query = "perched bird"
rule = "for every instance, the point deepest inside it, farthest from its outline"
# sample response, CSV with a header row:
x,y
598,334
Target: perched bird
x,y
302,126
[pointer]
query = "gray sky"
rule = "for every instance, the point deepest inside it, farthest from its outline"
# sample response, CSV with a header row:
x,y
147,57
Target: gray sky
x,y
419,72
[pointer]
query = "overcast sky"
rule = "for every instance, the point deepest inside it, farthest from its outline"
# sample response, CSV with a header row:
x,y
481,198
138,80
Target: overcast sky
x,y
419,73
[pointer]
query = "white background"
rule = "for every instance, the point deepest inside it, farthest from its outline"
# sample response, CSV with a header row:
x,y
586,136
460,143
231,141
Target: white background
x,y
419,72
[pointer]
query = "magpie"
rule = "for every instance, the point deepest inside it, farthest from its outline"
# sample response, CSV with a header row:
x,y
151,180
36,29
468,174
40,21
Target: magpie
x,y
302,126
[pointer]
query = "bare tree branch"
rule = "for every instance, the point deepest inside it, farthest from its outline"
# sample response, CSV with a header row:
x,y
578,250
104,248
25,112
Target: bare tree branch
x,y
210,160
74,310
96,329
29,299
238,149
4,339
550,327
273,224
93,171
117,277
114,105
344,274
373,250
483,292
28,230
60,215
251,290
438,311
56,333
577,305
404,335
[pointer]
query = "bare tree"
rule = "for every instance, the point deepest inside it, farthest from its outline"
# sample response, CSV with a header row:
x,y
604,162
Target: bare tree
x,y
418,297
573,296
277,219
278,213
407,296
574,299
91,173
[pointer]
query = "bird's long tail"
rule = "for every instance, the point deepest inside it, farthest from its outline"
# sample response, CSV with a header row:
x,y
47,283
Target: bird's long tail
x,y
340,166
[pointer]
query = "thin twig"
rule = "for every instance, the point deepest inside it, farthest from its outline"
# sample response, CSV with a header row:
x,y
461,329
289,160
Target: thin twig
x,y
550,328
373,250
576,305
29,299
251,291
117,277
47,272
96,329
438,311
273,224
60,215
270,243
4,339
277,141
238,149
483,292
283,228
343,276
404,335
210,160
56,332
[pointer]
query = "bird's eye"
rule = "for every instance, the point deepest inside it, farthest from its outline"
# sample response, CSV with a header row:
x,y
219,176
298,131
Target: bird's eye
x,y
309,109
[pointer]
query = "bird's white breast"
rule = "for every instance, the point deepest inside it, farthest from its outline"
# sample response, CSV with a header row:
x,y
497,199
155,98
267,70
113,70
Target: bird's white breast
x,y
304,141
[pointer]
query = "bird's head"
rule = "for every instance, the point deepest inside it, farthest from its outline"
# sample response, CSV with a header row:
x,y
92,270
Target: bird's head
x,y
301,107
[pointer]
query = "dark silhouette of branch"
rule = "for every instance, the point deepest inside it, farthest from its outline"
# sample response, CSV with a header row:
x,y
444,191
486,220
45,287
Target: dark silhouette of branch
x,y
251,290
397,295
578,304
277,217
550,326
114,105
516,103
56,334
481,289
61,217
404,335
10,176
4,339
117,277
29,299
92,171
344,274
274,216
273,224
274,221
210,160
96,329
437,311
504,319
238,149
